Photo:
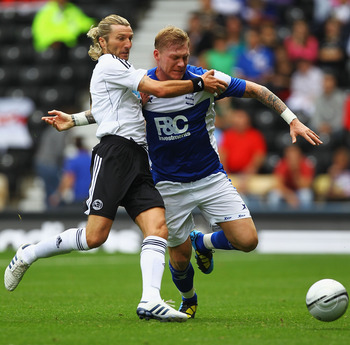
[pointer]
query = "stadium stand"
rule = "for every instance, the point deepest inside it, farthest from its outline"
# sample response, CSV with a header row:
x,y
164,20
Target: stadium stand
x,y
59,78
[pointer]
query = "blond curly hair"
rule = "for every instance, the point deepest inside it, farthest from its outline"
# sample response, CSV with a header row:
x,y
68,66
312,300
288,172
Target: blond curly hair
x,y
103,30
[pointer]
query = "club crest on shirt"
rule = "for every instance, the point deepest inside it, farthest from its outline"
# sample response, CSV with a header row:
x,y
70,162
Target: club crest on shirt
x,y
97,204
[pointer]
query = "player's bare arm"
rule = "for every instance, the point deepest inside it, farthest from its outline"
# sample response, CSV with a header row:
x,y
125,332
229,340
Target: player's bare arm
x,y
62,121
173,88
265,96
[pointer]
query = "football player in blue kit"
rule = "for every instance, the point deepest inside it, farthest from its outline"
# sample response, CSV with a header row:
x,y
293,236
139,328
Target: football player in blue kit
x,y
186,166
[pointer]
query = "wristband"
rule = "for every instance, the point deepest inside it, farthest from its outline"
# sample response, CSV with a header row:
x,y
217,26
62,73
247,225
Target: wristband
x,y
288,116
198,84
80,119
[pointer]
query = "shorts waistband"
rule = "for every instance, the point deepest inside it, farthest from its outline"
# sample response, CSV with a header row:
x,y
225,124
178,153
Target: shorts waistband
x,y
117,139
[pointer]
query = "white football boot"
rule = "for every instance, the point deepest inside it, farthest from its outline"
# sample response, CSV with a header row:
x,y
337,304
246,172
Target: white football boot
x,y
159,311
15,270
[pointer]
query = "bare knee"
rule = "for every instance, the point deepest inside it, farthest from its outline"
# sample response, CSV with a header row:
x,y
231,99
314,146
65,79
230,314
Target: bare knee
x,y
97,231
250,244
152,222
95,240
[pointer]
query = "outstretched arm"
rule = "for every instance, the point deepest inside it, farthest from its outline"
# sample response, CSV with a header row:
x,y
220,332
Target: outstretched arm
x,y
62,121
265,96
173,88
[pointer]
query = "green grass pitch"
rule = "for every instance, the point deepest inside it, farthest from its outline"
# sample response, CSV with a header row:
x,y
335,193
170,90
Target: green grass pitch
x,y
248,299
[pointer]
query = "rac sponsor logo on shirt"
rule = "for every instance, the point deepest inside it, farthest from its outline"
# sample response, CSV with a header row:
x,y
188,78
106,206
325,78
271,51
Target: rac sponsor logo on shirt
x,y
172,128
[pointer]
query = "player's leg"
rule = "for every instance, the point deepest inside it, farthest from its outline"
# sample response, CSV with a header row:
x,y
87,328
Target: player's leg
x,y
237,234
152,257
179,205
95,233
152,261
182,274
221,204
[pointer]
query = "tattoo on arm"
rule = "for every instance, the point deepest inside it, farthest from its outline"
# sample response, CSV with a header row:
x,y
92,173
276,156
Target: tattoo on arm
x,y
268,98
89,117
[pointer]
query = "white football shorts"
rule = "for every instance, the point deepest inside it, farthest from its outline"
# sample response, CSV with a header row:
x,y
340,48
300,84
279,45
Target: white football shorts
x,y
214,195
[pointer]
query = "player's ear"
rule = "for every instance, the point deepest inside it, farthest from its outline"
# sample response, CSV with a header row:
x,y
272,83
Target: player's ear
x,y
156,54
102,42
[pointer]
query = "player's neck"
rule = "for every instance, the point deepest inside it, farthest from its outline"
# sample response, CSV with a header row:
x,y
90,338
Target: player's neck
x,y
161,75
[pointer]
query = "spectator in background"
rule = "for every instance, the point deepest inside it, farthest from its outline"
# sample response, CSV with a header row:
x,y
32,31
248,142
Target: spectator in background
x,y
14,115
49,159
301,44
328,117
75,181
280,83
294,176
306,86
228,7
16,144
235,37
258,12
243,148
57,22
197,36
341,11
200,30
269,36
256,63
332,48
339,173
218,57
207,15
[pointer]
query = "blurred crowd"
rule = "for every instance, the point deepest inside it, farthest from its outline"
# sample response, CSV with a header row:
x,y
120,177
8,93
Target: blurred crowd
x,y
299,49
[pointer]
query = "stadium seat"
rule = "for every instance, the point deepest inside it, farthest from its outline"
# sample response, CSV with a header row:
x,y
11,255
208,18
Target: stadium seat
x,y
8,76
7,34
50,56
56,97
35,75
10,55
64,74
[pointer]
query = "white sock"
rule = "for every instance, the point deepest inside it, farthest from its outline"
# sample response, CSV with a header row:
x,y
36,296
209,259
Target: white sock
x,y
207,241
71,239
152,261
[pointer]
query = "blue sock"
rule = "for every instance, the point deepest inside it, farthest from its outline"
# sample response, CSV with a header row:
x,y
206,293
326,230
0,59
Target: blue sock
x,y
183,279
192,299
219,241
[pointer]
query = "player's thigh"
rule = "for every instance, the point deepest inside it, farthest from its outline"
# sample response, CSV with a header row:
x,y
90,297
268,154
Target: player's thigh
x,y
241,233
178,211
219,200
152,222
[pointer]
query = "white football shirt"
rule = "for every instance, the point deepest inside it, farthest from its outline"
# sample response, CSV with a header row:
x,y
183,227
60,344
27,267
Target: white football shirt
x,y
116,106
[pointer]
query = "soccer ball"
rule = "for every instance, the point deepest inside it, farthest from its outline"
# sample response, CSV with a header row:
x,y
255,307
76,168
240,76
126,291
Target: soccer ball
x,y
327,300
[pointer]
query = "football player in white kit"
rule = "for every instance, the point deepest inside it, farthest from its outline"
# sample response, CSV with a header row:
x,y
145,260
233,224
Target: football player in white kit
x,y
186,167
120,173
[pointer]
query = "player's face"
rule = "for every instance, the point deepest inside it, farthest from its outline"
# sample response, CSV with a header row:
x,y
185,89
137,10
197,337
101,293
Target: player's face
x,y
172,61
119,41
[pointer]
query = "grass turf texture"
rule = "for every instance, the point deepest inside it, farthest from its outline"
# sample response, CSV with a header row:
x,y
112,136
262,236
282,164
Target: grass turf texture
x,y
248,299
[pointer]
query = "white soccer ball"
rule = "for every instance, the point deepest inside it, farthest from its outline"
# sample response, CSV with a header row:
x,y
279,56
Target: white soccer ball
x,y
327,300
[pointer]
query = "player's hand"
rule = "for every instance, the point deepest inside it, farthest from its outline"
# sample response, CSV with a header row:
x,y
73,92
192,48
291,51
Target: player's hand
x,y
144,98
212,84
61,121
298,128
